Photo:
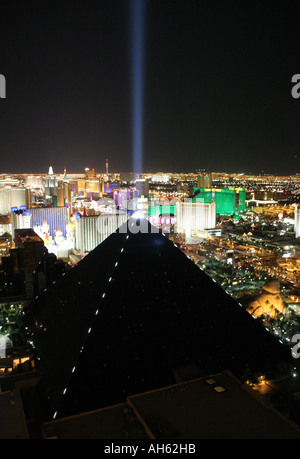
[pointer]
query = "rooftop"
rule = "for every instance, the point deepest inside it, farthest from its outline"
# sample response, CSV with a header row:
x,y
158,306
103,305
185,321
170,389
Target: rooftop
x,y
213,407
12,420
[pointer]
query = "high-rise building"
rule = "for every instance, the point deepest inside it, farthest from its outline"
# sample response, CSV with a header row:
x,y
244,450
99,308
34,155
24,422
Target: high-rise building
x,y
123,196
142,186
14,198
9,181
193,217
163,213
64,193
204,180
56,217
20,219
92,230
51,184
32,244
127,177
129,313
33,250
229,201
90,186
64,197
160,178
34,181
297,221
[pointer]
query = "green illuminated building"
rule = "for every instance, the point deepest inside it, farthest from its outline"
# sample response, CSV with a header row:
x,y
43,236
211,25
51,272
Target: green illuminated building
x,y
158,210
229,201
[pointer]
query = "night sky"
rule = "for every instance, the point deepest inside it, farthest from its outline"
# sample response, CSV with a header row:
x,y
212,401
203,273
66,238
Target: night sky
x,y
217,90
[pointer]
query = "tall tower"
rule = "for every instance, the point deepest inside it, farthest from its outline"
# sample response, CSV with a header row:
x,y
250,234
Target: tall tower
x,y
65,178
67,194
106,166
51,184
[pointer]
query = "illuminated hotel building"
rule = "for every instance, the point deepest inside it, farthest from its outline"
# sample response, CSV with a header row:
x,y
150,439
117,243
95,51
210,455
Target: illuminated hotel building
x,y
90,186
14,197
229,201
123,196
56,217
20,219
160,178
297,221
34,181
162,214
64,196
51,183
92,230
195,216
204,180
4,181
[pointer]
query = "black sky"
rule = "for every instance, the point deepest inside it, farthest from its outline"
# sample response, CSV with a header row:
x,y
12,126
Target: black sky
x,y
217,86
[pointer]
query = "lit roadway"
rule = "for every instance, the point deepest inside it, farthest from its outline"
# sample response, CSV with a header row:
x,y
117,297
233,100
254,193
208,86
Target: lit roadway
x,y
224,245
285,278
242,250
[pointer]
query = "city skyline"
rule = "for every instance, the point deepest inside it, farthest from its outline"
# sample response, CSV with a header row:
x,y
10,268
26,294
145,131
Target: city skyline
x,y
115,286
217,87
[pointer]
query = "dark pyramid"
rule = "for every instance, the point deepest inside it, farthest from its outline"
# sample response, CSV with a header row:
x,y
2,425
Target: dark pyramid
x,y
129,313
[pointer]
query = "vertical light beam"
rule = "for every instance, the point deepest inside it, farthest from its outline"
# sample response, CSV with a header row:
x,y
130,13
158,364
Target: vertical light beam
x,y
137,29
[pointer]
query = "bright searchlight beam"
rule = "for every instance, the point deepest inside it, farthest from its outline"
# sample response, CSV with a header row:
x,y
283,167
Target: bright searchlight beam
x,y
137,28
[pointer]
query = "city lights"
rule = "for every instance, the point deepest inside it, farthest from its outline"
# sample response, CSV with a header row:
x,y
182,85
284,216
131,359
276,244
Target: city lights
x,y
149,223
239,242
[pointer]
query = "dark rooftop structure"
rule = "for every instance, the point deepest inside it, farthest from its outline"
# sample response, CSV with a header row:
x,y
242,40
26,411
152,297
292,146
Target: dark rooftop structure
x,y
129,313
213,407
32,245
12,421
113,422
